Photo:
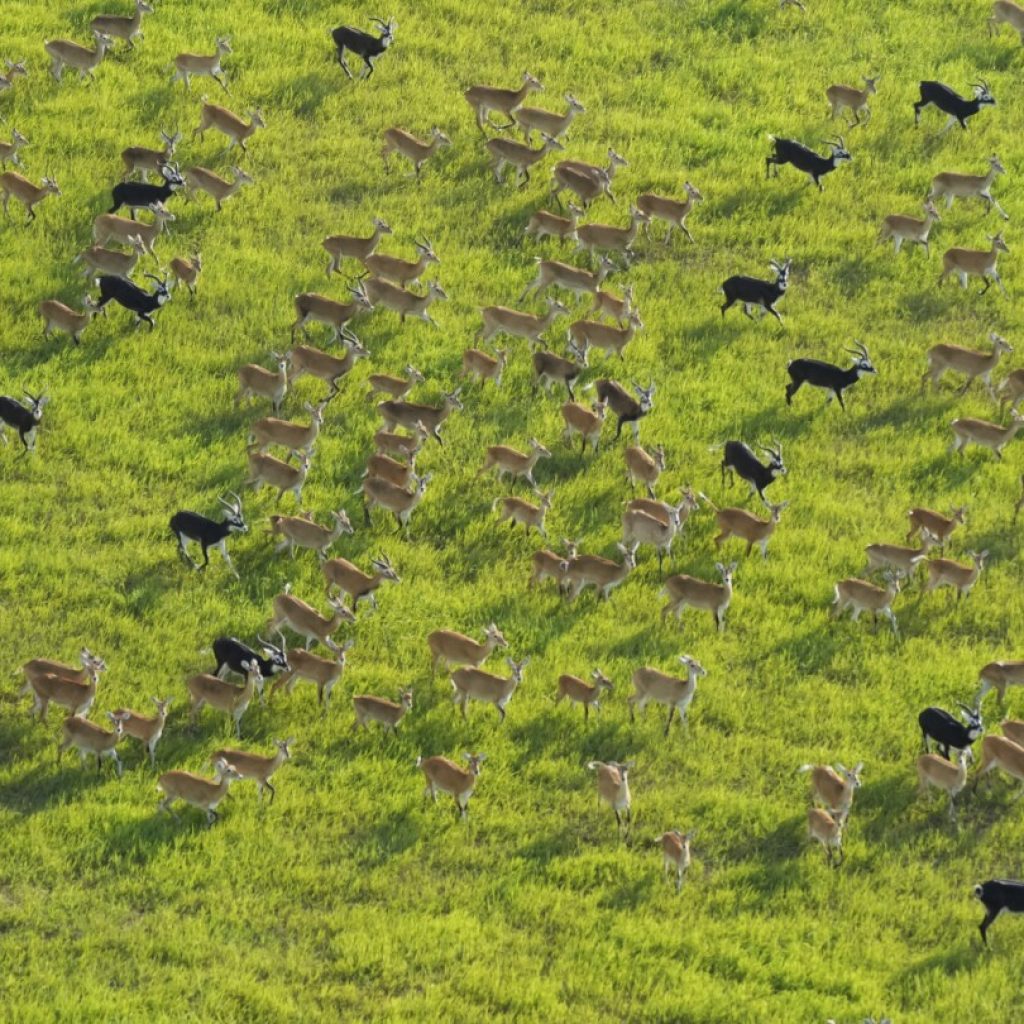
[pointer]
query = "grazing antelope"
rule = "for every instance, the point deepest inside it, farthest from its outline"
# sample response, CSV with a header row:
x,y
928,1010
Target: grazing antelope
x,y
533,119
981,432
189,64
1011,390
396,387
187,271
399,271
416,151
549,368
514,322
520,156
476,684
834,787
912,230
223,120
953,185
610,238
411,415
29,195
15,69
979,262
89,738
400,503
893,556
601,573
933,770
302,532
651,684
76,691
643,467
739,523
201,179
305,620
543,223
325,672
607,304
405,446
675,853
223,696
562,275
585,422
479,364
446,776
613,788
205,794
340,247
944,572
971,363
254,381
842,97
639,527
351,580
122,27
1008,13
485,98
296,437
312,306
65,52
304,359
673,211
862,596
926,522
146,160
108,226
268,471
610,340
1000,752
97,260
826,830
513,462
404,303
449,649
144,729
689,592
376,709
516,510
578,691
256,766
9,150
58,317
547,564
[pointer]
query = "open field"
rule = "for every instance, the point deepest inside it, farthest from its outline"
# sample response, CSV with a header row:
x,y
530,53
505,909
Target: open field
x,y
351,897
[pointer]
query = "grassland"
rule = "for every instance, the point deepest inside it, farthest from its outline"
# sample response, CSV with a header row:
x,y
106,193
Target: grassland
x,y
351,898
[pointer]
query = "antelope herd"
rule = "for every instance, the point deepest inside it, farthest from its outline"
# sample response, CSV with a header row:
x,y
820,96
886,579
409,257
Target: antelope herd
x,y
393,484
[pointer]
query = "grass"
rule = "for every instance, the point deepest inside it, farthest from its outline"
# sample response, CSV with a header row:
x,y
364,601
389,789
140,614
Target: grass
x,y
350,898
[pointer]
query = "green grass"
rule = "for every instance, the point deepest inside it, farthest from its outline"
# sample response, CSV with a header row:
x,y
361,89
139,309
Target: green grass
x,y
351,898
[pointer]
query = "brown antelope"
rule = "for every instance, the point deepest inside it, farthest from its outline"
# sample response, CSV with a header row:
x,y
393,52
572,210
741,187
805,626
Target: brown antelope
x,y
304,359
672,211
223,120
450,650
944,572
1011,390
305,620
913,230
979,262
205,794
609,238
146,160
223,696
1013,729
894,556
1000,752
446,776
405,446
302,532
739,523
189,64
925,521
543,224
533,119
58,317
476,684
842,97
121,26
833,788
411,414
514,322
613,788
97,260
201,179
386,712
109,226
38,667
89,738
15,69
550,368
643,467
404,303
665,512
689,592
953,185
485,98
585,187
399,271
601,573
65,52
592,170
396,387
29,195
520,156
639,527
296,437
971,363
862,596
256,766
383,467
984,433
324,672
547,564
1009,13
514,463
933,770
578,691
826,830
187,270
479,364
351,580
607,304
311,306
651,684
144,729
268,471
416,151
588,334
998,675
9,150
516,510
562,275
254,381
72,691
675,853
585,422
340,247
400,503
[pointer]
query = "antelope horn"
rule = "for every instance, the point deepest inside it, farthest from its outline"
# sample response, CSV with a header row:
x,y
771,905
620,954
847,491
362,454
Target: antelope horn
x,y
238,500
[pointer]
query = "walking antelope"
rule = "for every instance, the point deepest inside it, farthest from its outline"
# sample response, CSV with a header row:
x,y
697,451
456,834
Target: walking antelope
x,y
208,533
235,656
944,572
1012,390
609,237
533,119
404,446
74,690
1008,13
449,649
1013,729
663,510
404,303
953,185
256,766
514,322
544,223
997,895
1000,752
672,211
416,151
562,275
834,788
351,580
640,527
610,340
831,378
479,364
979,262
254,381
789,151
585,187
949,734
688,592
981,432
739,523
613,788
145,160
476,684
520,156
205,794
363,44
400,503
268,471
485,98
223,696
971,363
862,596
223,120
58,317
305,620
386,712
39,667
109,226
201,179
296,437
912,230
65,52
324,672
675,853
752,291
97,260
842,97
312,306
625,408
578,691
601,573
144,729
446,776
411,414
9,150
615,161
399,271
739,459
133,298
585,422
824,829
549,368
302,532
644,467
936,771
950,103
89,738
187,271
189,64
516,510
608,304
396,387
340,247
29,195
651,684
926,522
15,69
122,27
24,419
304,359
547,564
893,556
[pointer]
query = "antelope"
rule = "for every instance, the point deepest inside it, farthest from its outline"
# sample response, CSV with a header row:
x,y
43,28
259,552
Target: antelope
x,y
862,596
38,667
531,119
998,675
1013,729
223,696
687,591
302,532
322,310
613,788
411,414
981,432
9,150
640,527
1009,13
266,470
208,533
201,179
600,573
610,340
573,279
912,230
643,467
549,368
543,223
396,387
445,775
363,44
89,738
254,381
514,322
404,303
514,463
607,304
256,766
1000,752
651,684
97,260
548,564
826,830
58,317
72,691
399,271
665,512
585,187
846,96
520,156
834,787
416,151
970,363
120,27
376,709
229,124
980,262
307,621
615,161
340,247
29,195
450,650
516,510
585,422
673,211
187,271
479,364
609,238
938,526
739,523
1012,390
944,572
351,580
933,770
902,559
578,691
304,359
383,467
485,98
325,672
109,226
146,730
951,103
204,794
400,503
296,437
476,684
675,852
953,185
189,64
65,52
145,160
15,69
405,446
